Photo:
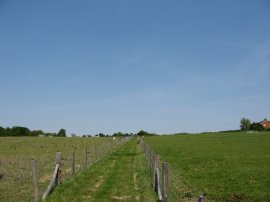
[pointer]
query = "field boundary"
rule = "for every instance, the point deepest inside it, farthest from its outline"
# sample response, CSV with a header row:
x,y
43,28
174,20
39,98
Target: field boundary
x,y
160,176
60,174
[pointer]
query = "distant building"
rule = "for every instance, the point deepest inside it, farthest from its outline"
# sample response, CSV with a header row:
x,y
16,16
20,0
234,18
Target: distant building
x,y
265,123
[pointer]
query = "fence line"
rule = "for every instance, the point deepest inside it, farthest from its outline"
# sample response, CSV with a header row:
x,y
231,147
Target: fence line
x,y
24,178
100,152
163,181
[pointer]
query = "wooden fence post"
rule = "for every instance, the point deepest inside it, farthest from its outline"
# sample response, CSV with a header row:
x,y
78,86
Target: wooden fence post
x,y
103,149
73,161
152,161
86,157
35,179
149,157
111,146
58,160
165,181
155,165
96,152
202,198
53,182
158,184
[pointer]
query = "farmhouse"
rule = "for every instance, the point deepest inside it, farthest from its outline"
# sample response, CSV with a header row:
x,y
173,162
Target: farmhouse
x,y
265,123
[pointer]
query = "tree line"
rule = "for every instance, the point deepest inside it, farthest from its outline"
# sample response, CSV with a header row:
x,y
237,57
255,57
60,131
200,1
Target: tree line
x,y
140,133
119,134
246,124
18,131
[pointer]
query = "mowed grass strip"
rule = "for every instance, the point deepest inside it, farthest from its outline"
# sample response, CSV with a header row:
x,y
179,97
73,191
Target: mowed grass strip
x,y
228,167
121,176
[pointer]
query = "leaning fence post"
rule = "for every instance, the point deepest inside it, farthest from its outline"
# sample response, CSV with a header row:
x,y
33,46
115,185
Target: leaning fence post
x,y
55,178
58,160
73,161
35,179
165,181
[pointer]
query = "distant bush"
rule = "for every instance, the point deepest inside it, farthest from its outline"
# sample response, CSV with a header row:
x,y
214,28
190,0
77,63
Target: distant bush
x,y
144,133
257,127
120,134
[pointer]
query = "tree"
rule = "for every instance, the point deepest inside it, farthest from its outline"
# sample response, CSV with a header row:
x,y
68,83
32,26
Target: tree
x,y
20,131
2,131
36,133
144,133
256,126
245,124
61,133
119,134
8,132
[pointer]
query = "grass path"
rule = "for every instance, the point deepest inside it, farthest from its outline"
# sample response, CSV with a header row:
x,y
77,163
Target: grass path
x,y
121,176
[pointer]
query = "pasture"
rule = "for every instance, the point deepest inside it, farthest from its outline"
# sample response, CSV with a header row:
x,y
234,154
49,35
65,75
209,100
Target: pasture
x,y
16,154
225,166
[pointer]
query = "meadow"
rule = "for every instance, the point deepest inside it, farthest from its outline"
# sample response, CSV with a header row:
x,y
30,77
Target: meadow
x,y
225,166
16,154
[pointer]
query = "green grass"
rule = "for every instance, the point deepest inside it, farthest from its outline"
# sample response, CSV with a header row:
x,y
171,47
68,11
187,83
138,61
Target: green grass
x,y
28,147
15,162
228,167
121,176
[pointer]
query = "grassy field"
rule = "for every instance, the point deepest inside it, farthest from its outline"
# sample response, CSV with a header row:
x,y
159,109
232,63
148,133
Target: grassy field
x,y
228,167
121,176
15,161
28,147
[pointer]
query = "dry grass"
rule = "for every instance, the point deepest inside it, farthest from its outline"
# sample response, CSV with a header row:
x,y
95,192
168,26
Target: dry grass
x,y
16,155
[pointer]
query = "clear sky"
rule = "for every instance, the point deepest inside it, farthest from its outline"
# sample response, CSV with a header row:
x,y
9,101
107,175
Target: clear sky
x,y
126,65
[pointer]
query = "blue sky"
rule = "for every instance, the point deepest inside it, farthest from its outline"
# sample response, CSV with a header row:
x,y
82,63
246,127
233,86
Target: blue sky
x,y
109,66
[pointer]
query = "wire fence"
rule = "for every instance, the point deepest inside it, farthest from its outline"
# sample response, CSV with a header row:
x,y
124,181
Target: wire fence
x,y
169,182
16,174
